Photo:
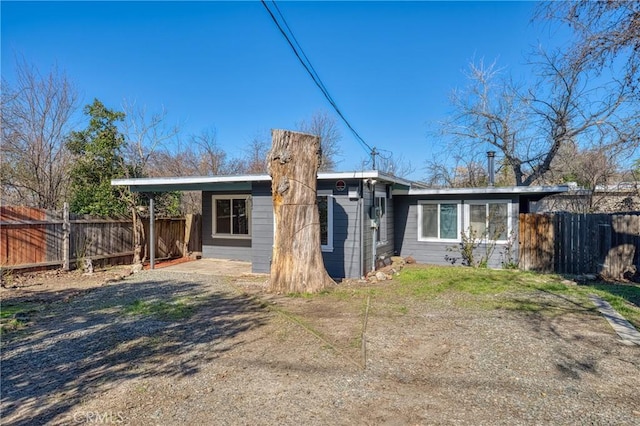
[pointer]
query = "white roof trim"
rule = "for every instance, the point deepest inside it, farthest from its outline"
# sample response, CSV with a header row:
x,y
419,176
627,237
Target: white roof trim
x,y
195,180
491,190
182,180
413,188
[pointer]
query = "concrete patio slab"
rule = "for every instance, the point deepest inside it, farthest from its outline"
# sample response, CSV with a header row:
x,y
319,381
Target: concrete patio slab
x,y
218,267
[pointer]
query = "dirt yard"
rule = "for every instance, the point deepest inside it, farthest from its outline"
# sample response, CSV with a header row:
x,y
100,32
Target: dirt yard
x,y
168,348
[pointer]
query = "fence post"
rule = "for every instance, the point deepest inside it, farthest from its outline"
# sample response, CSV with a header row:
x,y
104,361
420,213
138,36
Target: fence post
x,y
66,231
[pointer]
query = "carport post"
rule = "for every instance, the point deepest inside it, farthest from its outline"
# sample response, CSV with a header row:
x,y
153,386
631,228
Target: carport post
x,y
152,234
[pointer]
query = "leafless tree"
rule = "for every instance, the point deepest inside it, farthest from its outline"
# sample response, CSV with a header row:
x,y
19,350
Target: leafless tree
x,y
35,117
324,126
212,158
200,155
461,172
255,160
605,32
394,165
181,161
146,134
530,126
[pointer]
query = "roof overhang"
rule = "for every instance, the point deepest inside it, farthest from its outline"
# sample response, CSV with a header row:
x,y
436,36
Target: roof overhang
x,y
400,186
241,182
190,183
506,190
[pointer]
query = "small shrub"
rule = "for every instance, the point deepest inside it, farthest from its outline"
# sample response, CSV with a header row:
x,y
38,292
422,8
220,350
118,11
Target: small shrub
x,y
508,259
471,245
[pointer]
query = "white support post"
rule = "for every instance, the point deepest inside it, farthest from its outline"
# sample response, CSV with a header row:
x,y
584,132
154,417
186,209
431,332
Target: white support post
x,y
152,234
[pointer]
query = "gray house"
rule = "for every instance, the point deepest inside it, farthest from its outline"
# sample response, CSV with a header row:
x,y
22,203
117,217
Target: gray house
x,y
365,217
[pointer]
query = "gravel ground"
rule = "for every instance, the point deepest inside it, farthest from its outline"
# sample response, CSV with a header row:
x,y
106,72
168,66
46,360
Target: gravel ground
x,y
239,357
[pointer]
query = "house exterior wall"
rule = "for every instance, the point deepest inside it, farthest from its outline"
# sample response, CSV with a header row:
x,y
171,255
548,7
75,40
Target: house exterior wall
x,y
382,249
221,248
262,225
434,252
385,250
344,261
367,235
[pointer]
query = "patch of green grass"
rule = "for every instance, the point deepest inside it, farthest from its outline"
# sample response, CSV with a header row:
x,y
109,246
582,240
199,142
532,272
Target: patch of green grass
x,y
624,298
308,295
356,342
174,310
513,290
9,312
339,293
429,282
11,325
487,289
628,292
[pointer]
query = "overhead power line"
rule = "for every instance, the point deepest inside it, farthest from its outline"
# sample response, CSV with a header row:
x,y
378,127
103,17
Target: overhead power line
x,y
281,23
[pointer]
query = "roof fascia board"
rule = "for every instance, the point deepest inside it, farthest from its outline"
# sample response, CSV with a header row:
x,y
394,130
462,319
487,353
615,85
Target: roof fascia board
x,y
490,190
184,183
214,187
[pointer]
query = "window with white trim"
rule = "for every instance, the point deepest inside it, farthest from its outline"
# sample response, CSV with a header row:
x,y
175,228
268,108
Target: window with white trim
x,y
325,208
489,219
439,220
231,216
381,204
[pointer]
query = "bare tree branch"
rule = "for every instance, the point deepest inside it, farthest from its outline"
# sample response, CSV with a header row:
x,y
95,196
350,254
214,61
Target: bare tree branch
x,y
146,134
529,127
324,126
35,117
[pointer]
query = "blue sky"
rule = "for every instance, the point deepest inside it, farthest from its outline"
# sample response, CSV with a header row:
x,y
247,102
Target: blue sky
x,y
390,66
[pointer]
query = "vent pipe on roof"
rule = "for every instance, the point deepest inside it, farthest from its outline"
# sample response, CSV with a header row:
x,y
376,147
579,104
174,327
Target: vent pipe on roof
x,y
491,171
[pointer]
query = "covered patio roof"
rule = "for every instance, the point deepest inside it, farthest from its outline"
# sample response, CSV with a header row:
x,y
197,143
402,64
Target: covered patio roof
x,y
243,182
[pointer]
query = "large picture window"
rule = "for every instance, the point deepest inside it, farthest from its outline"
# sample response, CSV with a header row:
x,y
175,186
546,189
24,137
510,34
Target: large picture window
x,y
325,208
439,220
444,220
231,216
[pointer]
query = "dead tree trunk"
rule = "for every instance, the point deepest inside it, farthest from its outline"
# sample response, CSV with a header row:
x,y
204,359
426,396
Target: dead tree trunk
x,y
297,264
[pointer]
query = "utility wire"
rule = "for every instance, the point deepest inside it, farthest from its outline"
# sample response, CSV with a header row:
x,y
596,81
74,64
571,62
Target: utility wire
x,y
315,75
306,63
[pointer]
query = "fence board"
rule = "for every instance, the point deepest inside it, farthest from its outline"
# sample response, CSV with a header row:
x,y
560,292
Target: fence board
x,y
536,242
605,244
26,243
33,237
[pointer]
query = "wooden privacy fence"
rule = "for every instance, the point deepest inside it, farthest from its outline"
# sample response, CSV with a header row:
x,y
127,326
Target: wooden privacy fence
x,y
33,238
574,244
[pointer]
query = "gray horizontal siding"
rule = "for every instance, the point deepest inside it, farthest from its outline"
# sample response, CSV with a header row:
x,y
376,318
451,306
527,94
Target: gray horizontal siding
x,y
221,248
430,252
222,252
387,250
262,227
367,240
382,250
344,260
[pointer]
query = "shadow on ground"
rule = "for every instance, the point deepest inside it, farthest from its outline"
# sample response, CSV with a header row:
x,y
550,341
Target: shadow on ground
x,y
91,341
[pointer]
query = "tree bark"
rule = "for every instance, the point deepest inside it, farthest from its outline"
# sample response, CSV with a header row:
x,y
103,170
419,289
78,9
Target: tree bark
x,y
297,265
